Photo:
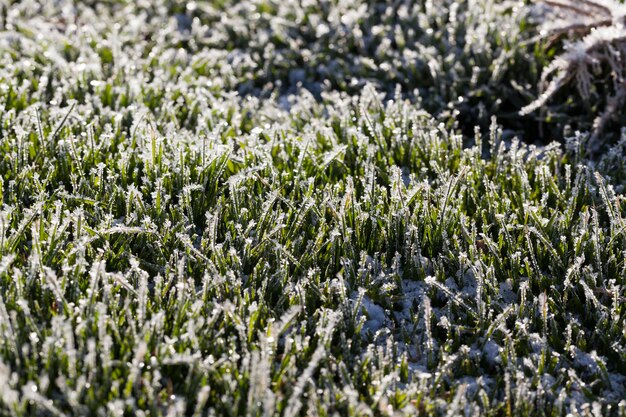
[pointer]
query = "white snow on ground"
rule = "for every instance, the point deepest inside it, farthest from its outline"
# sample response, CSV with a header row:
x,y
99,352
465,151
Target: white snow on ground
x,y
375,317
491,352
474,384
419,371
584,360
412,295
618,385
507,295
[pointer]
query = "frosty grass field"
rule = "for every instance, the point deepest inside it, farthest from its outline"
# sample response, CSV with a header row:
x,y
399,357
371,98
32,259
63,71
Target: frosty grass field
x,y
312,207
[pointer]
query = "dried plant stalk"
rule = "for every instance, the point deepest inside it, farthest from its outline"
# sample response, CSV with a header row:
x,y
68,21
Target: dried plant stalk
x,y
599,27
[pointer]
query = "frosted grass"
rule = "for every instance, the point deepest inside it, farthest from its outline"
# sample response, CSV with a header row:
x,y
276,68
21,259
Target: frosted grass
x,y
173,244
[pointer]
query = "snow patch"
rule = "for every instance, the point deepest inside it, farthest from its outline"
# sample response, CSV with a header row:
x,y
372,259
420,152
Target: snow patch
x,y
491,352
375,317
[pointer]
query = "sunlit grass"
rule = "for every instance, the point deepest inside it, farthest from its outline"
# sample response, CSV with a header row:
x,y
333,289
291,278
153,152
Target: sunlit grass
x,y
171,247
